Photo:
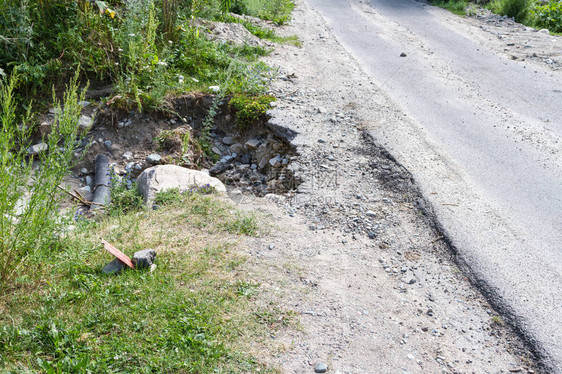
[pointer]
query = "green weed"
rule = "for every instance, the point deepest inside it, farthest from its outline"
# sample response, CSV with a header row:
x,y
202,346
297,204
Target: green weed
x,y
29,197
249,110
518,9
454,6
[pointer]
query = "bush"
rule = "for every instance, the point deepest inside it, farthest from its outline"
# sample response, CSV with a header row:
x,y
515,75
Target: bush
x,y
29,195
548,16
518,9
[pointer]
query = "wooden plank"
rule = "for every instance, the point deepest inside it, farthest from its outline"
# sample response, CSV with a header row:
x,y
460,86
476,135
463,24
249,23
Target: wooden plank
x,y
117,253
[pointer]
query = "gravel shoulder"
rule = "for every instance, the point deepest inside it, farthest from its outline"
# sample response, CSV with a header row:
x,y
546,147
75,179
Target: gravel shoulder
x,y
354,250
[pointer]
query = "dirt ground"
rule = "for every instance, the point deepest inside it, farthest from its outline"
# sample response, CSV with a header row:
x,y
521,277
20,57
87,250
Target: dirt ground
x,y
354,250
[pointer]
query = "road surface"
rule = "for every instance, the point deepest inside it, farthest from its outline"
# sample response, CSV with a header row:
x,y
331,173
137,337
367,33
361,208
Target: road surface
x,y
482,136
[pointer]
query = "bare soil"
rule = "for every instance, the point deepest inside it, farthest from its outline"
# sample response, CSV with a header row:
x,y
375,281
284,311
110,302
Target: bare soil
x,y
355,251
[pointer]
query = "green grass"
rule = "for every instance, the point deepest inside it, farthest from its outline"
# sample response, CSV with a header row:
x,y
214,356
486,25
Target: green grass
x,y
196,313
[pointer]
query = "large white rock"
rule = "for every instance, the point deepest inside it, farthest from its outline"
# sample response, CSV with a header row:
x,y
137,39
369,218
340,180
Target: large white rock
x,y
166,177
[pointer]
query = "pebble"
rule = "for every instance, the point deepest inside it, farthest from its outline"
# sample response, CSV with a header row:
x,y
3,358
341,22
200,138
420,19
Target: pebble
x,y
320,368
252,144
228,140
271,246
153,158
330,158
89,180
108,144
34,150
128,156
321,141
83,171
84,123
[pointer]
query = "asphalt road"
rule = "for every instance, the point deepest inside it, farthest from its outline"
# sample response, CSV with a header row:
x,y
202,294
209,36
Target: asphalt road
x,y
482,135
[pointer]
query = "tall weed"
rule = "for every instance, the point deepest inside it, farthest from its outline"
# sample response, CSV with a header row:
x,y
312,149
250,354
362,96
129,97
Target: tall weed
x,y
29,194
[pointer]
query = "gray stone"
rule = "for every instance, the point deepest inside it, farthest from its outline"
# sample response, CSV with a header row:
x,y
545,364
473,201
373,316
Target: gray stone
x,y
252,144
370,213
84,123
36,149
276,161
246,159
321,141
114,267
263,163
165,177
89,180
144,259
83,171
227,159
219,167
271,246
544,31
320,367
108,144
153,159
237,148
228,140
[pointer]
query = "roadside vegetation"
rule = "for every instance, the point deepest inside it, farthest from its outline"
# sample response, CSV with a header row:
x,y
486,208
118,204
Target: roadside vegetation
x,y
534,13
145,49
59,313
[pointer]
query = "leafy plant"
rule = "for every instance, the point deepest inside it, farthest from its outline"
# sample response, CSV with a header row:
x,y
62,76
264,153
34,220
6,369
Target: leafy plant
x,y
518,9
548,16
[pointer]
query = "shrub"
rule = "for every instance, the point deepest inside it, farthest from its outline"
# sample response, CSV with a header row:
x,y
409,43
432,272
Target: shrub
x,y
518,9
29,196
548,16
